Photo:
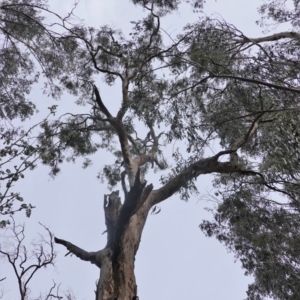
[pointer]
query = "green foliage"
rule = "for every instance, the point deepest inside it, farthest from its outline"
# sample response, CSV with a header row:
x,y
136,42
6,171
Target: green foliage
x,y
28,49
18,149
263,234
279,12
166,6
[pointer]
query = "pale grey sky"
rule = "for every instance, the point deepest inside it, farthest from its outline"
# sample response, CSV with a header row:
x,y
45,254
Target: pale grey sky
x,y
175,259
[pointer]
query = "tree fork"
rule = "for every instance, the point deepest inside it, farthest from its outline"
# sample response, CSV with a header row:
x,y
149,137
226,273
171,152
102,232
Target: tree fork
x,y
124,225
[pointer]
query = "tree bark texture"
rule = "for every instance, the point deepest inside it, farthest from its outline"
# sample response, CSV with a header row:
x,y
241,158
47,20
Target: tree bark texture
x,y
124,223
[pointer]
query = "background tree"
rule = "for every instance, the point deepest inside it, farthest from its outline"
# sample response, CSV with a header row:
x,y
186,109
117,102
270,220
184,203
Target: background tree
x,y
27,261
29,51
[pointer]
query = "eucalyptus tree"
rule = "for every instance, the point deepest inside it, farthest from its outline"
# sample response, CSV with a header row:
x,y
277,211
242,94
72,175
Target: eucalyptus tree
x,y
209,84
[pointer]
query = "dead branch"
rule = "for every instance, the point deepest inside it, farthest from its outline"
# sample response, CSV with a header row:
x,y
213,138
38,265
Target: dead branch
x,y
92,257
25,263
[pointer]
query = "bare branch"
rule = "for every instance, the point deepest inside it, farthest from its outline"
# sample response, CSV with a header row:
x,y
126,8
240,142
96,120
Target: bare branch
x,y
124,144
109,52
243,140
270,38
105,71
156,29
92,257
17,256
133,143
51,295
201,167
259,82
121,132
101,105
144,158
93,52
123,174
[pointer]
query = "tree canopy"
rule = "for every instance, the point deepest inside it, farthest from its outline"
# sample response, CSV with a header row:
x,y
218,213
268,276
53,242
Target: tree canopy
x,y
209,85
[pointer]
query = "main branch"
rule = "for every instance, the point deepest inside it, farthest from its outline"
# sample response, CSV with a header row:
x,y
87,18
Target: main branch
x,y
270,38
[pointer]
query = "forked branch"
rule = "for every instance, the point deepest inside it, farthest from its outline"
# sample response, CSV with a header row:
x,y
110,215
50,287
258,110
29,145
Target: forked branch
x,y
209,165
150,156
243,140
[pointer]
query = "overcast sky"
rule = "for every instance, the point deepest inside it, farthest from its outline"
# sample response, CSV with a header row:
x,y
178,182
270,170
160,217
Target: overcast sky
x,y
175,259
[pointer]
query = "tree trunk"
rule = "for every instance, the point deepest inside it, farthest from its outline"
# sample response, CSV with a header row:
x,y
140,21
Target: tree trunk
x,y
117,279
125,224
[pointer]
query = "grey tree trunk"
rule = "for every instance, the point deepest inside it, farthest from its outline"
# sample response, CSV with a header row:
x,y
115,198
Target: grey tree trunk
x,y
124,223
117,279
